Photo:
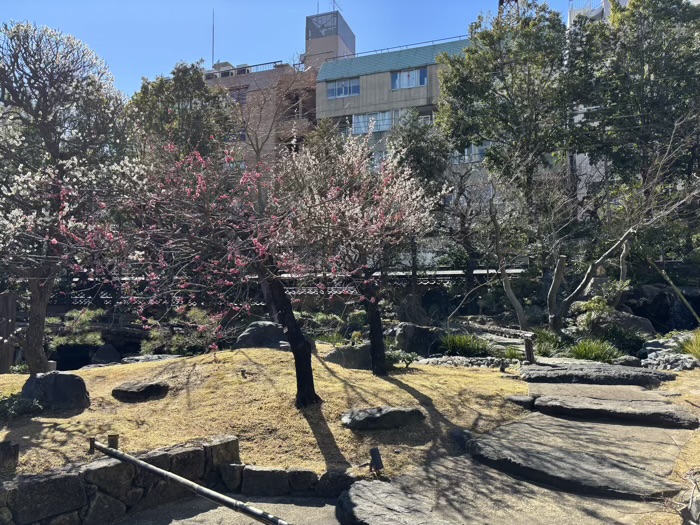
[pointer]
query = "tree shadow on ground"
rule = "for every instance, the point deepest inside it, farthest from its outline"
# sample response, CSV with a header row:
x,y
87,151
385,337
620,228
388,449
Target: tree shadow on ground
x,y
332,455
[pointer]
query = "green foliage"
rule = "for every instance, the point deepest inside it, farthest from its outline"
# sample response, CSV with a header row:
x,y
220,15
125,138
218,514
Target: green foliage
x,y
627,341
465,345
356,338
692,345
15,406
594,350
419,146
592,309
512,353
21,368
334,338
507,89
357,319
75,330
547,343
394,357
192,333
184,110
328,321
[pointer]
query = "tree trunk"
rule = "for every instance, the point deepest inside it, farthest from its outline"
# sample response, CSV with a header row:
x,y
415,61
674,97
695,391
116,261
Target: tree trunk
x,y
40,289
280,308
414,265
376,334
556,322
8,316
519,312
623,274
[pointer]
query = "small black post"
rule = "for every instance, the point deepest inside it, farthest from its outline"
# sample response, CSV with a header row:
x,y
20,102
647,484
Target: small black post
x,y
91,450
113,441
375,464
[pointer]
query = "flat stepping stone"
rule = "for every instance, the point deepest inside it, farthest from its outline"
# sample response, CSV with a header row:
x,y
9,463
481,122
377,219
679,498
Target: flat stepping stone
x,y
381,503
458,490
138,391
583,457
654,413
594,373
612,392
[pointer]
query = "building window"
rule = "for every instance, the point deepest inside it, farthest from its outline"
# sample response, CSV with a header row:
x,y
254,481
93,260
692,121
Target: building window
x,y
409,78
380,121
349,87
239,94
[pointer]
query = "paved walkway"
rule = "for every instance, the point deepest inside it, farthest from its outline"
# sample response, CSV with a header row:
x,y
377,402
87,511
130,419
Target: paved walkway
x,y
604,455
198,511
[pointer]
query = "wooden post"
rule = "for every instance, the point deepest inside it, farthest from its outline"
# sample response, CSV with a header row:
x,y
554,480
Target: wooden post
x,y
113,441
376,464
8,317
529,350
9,456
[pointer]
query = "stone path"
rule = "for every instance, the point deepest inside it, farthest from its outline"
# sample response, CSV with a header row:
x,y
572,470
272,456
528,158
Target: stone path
x,y
198,511
599,448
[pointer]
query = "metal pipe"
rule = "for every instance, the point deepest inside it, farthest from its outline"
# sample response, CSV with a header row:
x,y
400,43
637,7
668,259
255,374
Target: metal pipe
x,y
220,499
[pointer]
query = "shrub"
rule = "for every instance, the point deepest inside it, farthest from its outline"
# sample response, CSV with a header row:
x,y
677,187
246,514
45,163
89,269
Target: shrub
x,y
692,345
15,406
394,357
465,345
333,338
547,343
189,334
626,341
594,350
356,338
513,353
22,368
76,330
357,320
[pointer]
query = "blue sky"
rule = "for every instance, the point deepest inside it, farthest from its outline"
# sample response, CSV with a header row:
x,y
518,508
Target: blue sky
x,y
145,38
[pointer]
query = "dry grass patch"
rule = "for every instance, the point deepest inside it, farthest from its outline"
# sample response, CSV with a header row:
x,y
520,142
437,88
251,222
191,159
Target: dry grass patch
x,y
250,393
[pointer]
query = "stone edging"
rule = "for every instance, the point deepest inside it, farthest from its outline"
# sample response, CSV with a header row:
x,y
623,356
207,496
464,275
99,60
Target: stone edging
x,y
101,492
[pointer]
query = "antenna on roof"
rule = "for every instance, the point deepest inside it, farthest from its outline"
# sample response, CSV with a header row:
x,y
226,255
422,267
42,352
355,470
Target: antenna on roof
x,y
212,39
336,5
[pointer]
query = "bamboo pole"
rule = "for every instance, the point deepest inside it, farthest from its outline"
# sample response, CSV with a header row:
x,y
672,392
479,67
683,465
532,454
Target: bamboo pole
x,y
220,499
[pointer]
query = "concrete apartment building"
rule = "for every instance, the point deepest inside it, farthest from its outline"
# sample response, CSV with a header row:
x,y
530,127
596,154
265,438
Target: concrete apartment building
x,y
277,100
374,89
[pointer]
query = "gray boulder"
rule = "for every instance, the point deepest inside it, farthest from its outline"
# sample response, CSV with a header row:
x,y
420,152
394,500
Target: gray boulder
x,y
382,418
138,391
302,481
232,476
525,402
594,374
628,360
332,483
57,390
263,334
103,509
111,476
148,358
600,324
422,340
106,354
355,357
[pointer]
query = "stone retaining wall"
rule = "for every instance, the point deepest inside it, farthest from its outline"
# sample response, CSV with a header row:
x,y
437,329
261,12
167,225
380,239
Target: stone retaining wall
x,y
101,492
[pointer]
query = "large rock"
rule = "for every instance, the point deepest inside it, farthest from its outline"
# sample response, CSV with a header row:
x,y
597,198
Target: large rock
x,y
187,462
263,334
111,476
39,497
600,324
614,460
422,340
153,358
232,476
103,509
221,451
594,373
650,413
381,503
382,418
302,481
332,483
138,391
106,354
263,481
355,357
57,390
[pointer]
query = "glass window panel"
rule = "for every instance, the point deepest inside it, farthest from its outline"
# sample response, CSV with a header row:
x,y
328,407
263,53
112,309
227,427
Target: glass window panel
x,y
331,90
355,86
395,81
424,76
